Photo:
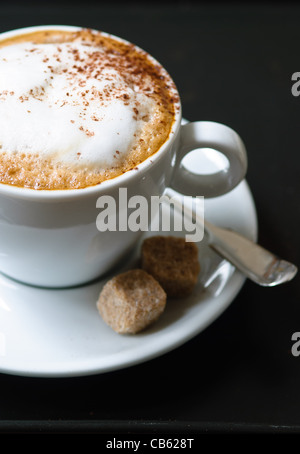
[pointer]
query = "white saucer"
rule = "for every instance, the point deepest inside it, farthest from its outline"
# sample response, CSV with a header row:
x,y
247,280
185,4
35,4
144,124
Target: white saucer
x,y
59,333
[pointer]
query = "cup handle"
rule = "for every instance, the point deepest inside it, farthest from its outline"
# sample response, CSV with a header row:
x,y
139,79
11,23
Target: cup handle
x,y
216,136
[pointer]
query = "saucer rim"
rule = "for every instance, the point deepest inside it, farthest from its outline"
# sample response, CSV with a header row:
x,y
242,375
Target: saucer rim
x,y
173,338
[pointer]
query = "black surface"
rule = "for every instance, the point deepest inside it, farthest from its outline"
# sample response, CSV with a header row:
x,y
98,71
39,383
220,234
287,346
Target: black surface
x,y
232,64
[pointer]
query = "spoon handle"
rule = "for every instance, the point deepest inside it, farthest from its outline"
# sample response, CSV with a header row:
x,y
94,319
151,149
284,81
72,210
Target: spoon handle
x,y
255,262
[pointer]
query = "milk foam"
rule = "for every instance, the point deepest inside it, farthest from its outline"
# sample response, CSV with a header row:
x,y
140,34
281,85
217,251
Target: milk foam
x,y
65,102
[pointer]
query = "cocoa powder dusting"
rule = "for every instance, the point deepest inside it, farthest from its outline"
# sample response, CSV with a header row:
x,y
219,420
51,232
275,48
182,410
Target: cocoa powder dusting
x,y
111,56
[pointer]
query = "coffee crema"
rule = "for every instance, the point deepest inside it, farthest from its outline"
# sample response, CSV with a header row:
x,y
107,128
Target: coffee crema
x,y
78,108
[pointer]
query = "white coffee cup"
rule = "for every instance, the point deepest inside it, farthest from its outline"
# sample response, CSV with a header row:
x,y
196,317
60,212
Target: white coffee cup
x,y
49,238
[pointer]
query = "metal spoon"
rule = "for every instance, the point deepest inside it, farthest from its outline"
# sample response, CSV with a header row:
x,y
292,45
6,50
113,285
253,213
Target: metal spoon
x,y
255,262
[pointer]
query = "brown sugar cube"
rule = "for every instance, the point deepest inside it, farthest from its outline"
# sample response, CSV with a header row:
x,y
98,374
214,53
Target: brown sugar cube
x,y
173,262
131,301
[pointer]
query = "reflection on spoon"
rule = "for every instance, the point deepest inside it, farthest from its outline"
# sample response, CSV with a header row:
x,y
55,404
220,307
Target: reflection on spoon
x,y
255,262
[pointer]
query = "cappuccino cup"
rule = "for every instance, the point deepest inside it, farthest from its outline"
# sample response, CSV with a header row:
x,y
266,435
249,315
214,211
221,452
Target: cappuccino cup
x,y
84,114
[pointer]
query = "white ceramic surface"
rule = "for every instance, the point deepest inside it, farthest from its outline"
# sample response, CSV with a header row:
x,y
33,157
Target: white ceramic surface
x,y
59,333
50,238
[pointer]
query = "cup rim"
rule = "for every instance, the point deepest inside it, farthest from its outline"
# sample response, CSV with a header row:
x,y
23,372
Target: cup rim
x,y
107,185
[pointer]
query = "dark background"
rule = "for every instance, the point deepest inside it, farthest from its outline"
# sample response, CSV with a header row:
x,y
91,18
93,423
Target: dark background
x,y
233,64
